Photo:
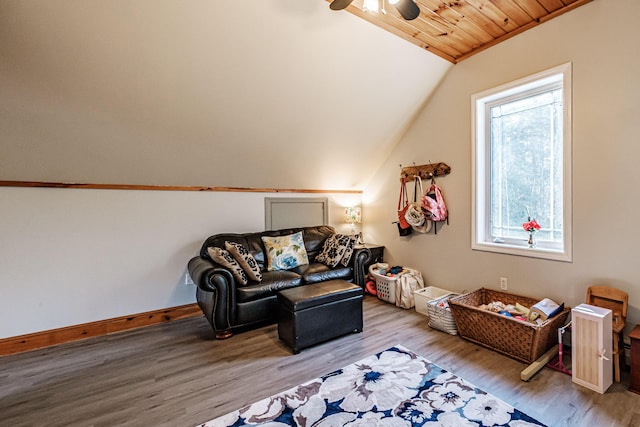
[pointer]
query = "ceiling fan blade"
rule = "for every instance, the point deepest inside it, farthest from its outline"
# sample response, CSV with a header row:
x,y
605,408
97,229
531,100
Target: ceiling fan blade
x,y
408,9
339,4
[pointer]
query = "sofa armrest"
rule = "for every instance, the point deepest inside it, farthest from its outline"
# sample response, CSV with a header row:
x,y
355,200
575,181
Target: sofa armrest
x,y
360,258
202,272
217,292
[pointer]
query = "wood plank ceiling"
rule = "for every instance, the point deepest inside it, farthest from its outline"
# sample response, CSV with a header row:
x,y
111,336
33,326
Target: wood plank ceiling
x,y
458,29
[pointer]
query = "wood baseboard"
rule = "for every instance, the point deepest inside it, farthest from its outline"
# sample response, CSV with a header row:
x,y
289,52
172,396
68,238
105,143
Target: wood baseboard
x,y
51,337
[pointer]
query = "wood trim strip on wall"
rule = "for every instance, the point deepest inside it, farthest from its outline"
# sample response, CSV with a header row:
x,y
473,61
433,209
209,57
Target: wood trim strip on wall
x,y
44,184
51,337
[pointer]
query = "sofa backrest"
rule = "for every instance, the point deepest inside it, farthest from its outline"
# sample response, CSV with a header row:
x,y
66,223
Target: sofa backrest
x,y
313,237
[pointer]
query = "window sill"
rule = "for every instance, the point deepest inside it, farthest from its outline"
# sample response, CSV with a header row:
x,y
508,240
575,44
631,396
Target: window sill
x,y
521,250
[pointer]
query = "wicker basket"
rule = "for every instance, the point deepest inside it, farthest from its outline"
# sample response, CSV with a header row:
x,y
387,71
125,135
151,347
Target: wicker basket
x,y
520,340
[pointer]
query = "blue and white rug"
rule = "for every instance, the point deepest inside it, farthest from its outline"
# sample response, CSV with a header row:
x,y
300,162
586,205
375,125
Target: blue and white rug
x,y
394,388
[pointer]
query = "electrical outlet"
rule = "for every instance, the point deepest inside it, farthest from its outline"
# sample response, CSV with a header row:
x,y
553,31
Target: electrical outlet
x,y
503,283
187,279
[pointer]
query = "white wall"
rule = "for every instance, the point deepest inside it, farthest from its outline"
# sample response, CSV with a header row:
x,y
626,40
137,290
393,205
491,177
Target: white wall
x,y
600,39
71,256
194,92
274,94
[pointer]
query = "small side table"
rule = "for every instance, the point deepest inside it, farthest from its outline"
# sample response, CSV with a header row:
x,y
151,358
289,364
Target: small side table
x,y
377,254
634,336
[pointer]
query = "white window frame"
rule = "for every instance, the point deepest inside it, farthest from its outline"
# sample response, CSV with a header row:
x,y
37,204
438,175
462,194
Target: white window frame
x,y
481,239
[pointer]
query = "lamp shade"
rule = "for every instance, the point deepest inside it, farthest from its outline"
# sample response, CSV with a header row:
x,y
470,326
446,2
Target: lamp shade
x,y
353,215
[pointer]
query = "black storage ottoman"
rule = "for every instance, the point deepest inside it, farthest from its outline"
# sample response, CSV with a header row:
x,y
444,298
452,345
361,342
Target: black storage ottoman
x,y
311,314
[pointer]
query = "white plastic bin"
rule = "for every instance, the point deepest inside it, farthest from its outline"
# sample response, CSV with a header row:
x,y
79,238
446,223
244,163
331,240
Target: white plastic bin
x,y
424,295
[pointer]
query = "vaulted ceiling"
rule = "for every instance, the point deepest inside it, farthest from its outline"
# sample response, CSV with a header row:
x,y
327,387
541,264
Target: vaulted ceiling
x,y
455,30
282,94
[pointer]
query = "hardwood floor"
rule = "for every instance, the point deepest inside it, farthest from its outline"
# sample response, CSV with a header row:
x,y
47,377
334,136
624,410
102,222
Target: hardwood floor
x,y
176,374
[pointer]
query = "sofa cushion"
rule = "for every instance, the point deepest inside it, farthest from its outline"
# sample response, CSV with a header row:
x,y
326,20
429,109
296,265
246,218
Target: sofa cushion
x,y
333,249
224,258
336,249
285,252
318,272
245,259
346,258
313,238
272,283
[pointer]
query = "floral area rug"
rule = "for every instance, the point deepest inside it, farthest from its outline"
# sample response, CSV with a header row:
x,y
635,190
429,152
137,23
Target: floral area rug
x,y
394,388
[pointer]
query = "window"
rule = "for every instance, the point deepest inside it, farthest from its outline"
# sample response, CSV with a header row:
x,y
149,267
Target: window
x,y
522,165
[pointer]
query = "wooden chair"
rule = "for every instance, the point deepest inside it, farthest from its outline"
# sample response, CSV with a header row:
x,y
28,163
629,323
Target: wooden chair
x,y
617,301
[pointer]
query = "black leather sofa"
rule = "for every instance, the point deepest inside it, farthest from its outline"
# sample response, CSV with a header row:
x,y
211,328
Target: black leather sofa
x,y
229,307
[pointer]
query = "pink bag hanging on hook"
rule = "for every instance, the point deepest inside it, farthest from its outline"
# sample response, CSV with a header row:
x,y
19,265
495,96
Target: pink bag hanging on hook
x,y
433,202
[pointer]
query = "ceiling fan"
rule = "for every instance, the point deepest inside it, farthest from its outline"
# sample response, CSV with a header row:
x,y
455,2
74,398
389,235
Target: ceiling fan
x,y
407,8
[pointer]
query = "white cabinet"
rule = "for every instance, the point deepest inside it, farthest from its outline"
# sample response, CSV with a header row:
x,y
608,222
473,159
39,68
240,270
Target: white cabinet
x,y
591,342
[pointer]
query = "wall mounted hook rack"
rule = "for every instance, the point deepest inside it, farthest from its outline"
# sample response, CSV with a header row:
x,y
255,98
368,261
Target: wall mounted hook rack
x,y
428,171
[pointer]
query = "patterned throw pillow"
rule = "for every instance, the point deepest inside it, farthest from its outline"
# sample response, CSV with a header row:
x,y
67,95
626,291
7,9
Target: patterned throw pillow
x,y
349,251
225,259
285,252
334,249
245,259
